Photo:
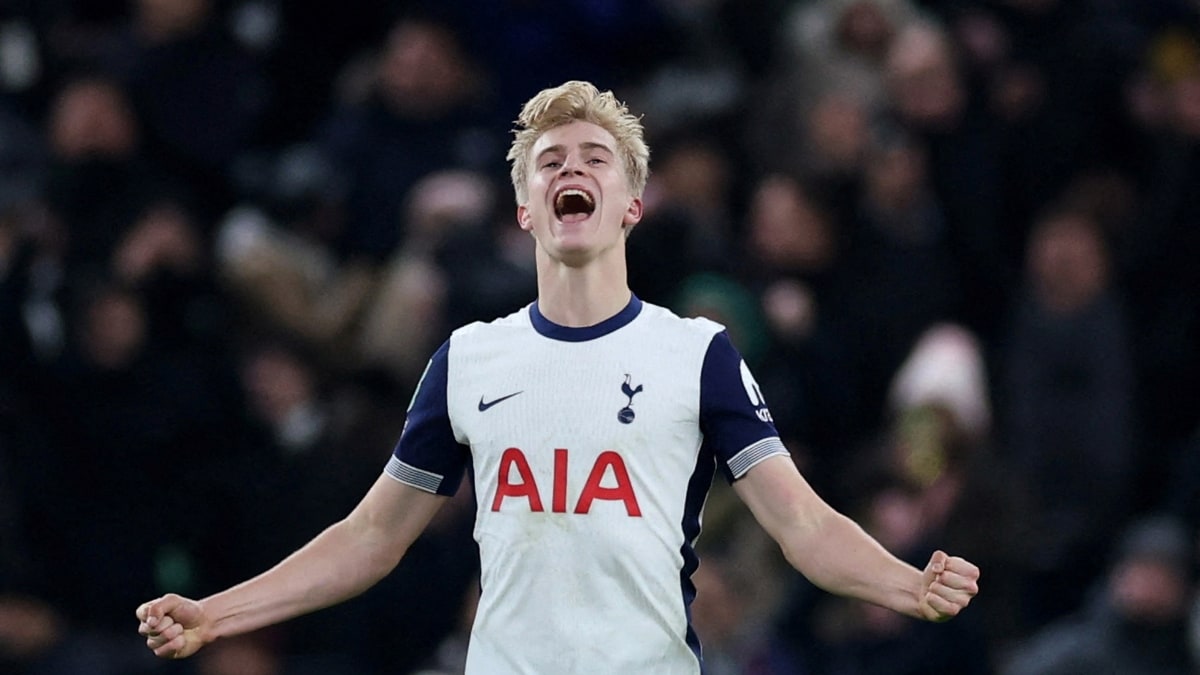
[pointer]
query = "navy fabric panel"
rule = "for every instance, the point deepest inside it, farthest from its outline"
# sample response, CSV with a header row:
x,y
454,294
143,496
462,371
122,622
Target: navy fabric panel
x,y
427,442
554,331
697,492
733,414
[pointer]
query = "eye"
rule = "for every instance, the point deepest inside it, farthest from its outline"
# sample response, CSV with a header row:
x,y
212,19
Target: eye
x,y
596,160
552,164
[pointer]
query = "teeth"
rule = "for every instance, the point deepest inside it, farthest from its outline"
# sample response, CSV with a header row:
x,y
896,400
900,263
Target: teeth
x,y
573,192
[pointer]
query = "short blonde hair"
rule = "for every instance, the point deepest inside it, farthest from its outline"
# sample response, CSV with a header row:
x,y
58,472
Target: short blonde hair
x,y
579,101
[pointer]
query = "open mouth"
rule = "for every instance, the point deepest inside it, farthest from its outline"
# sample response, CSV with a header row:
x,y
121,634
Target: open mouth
x,y
573,204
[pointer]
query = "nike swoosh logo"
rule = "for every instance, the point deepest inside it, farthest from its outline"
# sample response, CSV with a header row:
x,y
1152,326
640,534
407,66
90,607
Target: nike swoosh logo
x,y
485,405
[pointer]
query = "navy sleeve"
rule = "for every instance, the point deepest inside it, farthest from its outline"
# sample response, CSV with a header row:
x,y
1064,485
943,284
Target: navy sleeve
x,y
734,417
427,456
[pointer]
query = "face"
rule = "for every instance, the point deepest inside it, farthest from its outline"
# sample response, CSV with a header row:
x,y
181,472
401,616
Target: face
x,y
579,203
277,383
1148,590
92,118
924,79
422,72
115,331
787,231
1068,263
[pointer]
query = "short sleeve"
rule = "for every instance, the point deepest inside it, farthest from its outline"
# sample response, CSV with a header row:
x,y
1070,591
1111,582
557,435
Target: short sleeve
x,y
737,425
427,456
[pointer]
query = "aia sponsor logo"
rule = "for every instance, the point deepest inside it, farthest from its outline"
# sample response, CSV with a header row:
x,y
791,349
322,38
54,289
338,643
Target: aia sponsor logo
x,y
608,480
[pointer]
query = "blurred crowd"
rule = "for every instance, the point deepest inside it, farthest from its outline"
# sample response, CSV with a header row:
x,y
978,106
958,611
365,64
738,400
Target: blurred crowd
x,y
958,241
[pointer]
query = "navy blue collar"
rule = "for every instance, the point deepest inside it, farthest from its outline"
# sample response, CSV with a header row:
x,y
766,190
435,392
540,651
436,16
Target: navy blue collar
x,y
548,328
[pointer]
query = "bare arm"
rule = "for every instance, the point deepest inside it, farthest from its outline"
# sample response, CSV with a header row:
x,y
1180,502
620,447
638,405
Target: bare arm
x,y
340,563
837,555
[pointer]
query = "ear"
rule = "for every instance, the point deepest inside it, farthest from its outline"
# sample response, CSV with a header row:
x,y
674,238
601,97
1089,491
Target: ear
x,y
524,219
633,214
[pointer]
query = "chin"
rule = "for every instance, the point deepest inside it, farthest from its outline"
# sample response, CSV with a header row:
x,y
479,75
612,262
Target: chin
x,y
571,250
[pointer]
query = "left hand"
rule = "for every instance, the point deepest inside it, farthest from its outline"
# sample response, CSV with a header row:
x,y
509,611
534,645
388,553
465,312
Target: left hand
x,y
947,586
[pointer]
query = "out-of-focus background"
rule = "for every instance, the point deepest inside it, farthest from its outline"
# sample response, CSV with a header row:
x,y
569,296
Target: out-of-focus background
x,y
958,241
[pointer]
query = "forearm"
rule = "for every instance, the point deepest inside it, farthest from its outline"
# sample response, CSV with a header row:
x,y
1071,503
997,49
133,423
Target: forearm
x,y
824,545
340,563
838,556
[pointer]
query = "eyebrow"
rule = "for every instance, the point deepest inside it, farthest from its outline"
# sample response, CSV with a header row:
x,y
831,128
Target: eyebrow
x,y
586,145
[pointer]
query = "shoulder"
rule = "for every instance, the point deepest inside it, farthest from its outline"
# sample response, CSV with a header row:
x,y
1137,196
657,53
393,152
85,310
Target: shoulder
x,y
510,323
484,341
661,318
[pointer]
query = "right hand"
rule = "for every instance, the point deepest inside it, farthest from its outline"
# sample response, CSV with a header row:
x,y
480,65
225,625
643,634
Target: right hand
x,y
174,626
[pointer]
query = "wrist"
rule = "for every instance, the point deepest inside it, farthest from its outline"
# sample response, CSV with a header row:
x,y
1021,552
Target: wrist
x,y
919,597
209,629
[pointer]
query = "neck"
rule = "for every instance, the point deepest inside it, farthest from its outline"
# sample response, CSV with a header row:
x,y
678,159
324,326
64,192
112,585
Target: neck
x,y
581,296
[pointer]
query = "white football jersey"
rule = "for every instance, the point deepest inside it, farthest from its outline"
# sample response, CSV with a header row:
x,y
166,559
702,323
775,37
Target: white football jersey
x,y
592,451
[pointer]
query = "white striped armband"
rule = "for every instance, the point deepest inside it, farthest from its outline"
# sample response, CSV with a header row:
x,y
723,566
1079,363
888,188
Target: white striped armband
x,y
754,453
410,475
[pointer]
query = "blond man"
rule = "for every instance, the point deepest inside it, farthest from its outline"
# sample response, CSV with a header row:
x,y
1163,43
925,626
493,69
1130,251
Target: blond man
x,y
593,424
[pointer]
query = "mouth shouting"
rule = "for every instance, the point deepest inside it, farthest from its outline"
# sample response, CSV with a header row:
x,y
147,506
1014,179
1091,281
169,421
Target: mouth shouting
x,y
573,205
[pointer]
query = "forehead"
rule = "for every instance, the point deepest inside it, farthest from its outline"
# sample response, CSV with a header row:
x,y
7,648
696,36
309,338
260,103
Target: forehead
x,y
574,135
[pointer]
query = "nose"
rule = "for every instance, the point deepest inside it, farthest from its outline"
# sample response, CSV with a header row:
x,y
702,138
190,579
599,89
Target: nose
x,y
571,166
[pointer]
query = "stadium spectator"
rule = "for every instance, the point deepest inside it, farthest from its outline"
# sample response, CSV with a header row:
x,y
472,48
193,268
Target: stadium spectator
x,y
690,224
383,317
794,250
828,82
115,395
424,107
900,272
929,100
1157,249
99,176
199,94
1136,619
1067,392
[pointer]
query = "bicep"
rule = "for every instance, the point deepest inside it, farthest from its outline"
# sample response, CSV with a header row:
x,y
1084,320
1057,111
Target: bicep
x,y
393,514
783,502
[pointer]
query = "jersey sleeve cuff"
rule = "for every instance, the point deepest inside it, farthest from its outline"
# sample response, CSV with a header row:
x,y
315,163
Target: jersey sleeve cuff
x,y
412,476
752,454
